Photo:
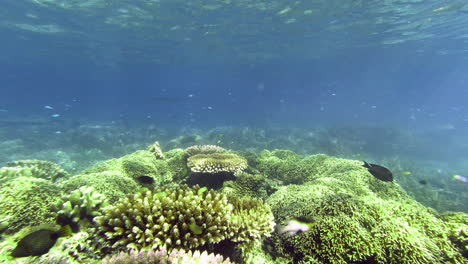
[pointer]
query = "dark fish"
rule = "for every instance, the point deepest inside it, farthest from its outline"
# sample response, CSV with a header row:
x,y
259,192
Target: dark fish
x,y
36,243
379,172
423,182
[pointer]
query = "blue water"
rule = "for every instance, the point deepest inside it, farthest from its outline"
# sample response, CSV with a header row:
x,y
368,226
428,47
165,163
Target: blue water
x,y
388,77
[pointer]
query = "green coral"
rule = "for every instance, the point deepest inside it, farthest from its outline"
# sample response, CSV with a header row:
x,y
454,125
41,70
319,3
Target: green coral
x,y
114,185
458,230
181,218
249,185
141,165
40,168
27,201
80,207
356,218
284,165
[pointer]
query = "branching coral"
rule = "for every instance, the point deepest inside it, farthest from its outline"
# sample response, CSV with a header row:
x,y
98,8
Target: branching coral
x,y
166,218
80,207
251,219
182,218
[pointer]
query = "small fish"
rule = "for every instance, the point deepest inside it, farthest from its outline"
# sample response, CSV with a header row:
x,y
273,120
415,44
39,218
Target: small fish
x,y
58,132
55,115
379,172
293,227
159,194
406,173
422,182
48,107
196,229
460,178
202,190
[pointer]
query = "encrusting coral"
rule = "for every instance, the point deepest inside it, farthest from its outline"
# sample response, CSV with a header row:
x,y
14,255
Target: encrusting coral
x,y
181,218
161,256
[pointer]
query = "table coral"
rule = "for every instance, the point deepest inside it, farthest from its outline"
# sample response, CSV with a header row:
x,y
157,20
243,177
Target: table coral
x,y
216,162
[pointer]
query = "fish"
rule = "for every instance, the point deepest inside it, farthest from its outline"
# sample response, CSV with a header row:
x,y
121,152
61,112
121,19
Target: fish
x,y
55,115
294,227
202,190
423,182
39,242
379,172
48,107
406,172
196,229
460,178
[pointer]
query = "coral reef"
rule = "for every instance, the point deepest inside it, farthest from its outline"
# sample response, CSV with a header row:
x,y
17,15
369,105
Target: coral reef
x,y
181,217
26,201
142,166
285,165
458,230
216,162
161,256
249,185
114,185
357,218
40,168
80,207
166,218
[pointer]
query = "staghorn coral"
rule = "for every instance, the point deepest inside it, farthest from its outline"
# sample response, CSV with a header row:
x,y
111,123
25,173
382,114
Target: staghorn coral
x,y
216,163
27,201
40,168
161,256
182,218
204,149
80,207
355,218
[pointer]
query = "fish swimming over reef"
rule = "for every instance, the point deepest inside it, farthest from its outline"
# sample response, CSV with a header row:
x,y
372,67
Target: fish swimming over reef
x,y
39,242
379,172
294,226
